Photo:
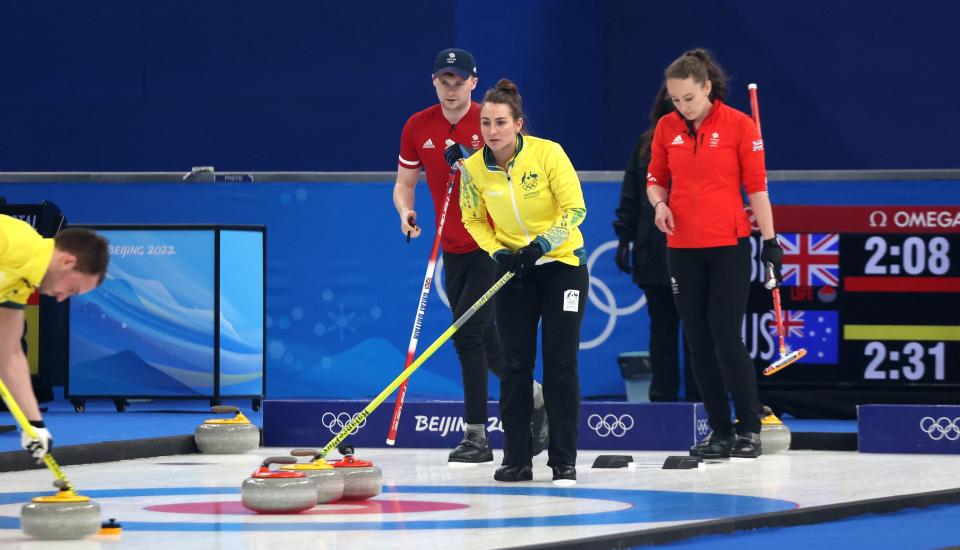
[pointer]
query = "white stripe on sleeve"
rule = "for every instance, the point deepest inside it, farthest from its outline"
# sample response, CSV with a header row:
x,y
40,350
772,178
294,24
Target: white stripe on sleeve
x,y
410,163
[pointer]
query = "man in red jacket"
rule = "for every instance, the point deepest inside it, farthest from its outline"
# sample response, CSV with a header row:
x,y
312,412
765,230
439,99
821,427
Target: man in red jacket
x,y
469,271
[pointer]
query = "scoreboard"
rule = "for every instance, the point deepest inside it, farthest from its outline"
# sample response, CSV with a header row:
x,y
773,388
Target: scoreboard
x,y
872,293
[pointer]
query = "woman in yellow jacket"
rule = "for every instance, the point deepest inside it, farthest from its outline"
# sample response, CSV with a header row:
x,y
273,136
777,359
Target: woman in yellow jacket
x,y
528,187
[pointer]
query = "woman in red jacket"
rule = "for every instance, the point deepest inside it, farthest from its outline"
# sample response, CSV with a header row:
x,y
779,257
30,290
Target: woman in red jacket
x,y
703,156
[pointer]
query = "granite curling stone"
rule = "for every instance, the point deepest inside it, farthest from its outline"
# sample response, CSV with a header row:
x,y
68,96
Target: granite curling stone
x,y
269,491
63,516
774,434
329,480
227,435
361,479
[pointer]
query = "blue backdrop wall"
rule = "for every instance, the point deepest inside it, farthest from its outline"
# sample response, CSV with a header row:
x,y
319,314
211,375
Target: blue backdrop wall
x,y
342,285
324,85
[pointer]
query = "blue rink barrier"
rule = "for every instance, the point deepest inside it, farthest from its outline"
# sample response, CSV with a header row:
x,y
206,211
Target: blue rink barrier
x,y
909,428
439,424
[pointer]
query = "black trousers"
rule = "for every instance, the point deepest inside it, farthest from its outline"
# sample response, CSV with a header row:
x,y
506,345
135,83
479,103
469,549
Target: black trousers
x,y
664,348
468,277
711,286
554,294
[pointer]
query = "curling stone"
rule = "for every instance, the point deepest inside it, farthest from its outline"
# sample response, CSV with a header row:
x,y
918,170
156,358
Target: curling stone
x,y
63,516
329,481
774,434
269,491
223,436
361,479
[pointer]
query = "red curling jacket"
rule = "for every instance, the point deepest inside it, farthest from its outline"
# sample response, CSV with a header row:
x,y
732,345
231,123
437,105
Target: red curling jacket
x,y
703,171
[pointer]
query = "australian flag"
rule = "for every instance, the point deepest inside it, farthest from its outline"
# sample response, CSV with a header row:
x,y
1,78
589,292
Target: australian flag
x,y
817,331
811,259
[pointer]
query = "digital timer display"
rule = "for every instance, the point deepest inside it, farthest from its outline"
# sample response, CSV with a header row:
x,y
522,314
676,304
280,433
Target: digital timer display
x,y
872,293
901,263
911,361
915,256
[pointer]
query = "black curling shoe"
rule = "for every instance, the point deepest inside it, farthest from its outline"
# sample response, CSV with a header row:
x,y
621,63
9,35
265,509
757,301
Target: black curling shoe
x,y
714,446
514,473
564,474
474,449
747,446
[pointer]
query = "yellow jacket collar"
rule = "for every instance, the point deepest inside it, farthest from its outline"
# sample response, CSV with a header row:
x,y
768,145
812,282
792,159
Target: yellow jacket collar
x,y
491,162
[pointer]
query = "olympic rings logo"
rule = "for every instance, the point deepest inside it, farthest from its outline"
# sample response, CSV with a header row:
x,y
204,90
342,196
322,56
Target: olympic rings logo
x,y
941,428
610,424
609,305
702,427
598,289
337,422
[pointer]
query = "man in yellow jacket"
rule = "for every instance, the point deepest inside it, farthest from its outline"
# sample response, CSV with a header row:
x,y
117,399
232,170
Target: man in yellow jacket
x,y
529,188
73,262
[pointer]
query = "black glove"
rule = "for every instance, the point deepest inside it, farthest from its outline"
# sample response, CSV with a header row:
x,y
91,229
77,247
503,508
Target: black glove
x,y
503,257
772,257
623,256
526,257
455,152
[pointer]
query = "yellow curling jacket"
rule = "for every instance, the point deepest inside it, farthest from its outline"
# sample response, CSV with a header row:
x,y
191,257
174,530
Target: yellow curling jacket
x,y
537,198
24,260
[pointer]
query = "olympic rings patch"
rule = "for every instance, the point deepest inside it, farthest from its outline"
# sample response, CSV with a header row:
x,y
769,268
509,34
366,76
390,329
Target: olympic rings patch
x,y
941,428
610,424
337,422
703,428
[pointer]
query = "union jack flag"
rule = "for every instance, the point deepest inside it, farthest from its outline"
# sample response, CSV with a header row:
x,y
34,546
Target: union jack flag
x,y
811,259
792,324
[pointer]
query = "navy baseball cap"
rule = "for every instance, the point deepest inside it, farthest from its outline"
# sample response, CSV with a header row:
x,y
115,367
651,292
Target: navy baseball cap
x,y
456,61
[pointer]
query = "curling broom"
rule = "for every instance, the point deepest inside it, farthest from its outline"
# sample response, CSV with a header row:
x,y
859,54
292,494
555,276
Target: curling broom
x,y
786,358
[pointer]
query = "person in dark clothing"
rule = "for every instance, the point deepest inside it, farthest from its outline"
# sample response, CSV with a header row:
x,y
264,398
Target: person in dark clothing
x,y
647,261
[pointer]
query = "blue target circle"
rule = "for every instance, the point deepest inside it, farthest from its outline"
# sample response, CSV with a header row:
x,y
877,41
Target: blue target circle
x,y
644,506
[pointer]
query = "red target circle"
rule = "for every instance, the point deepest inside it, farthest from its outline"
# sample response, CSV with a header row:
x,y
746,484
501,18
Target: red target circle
x,y
341,507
